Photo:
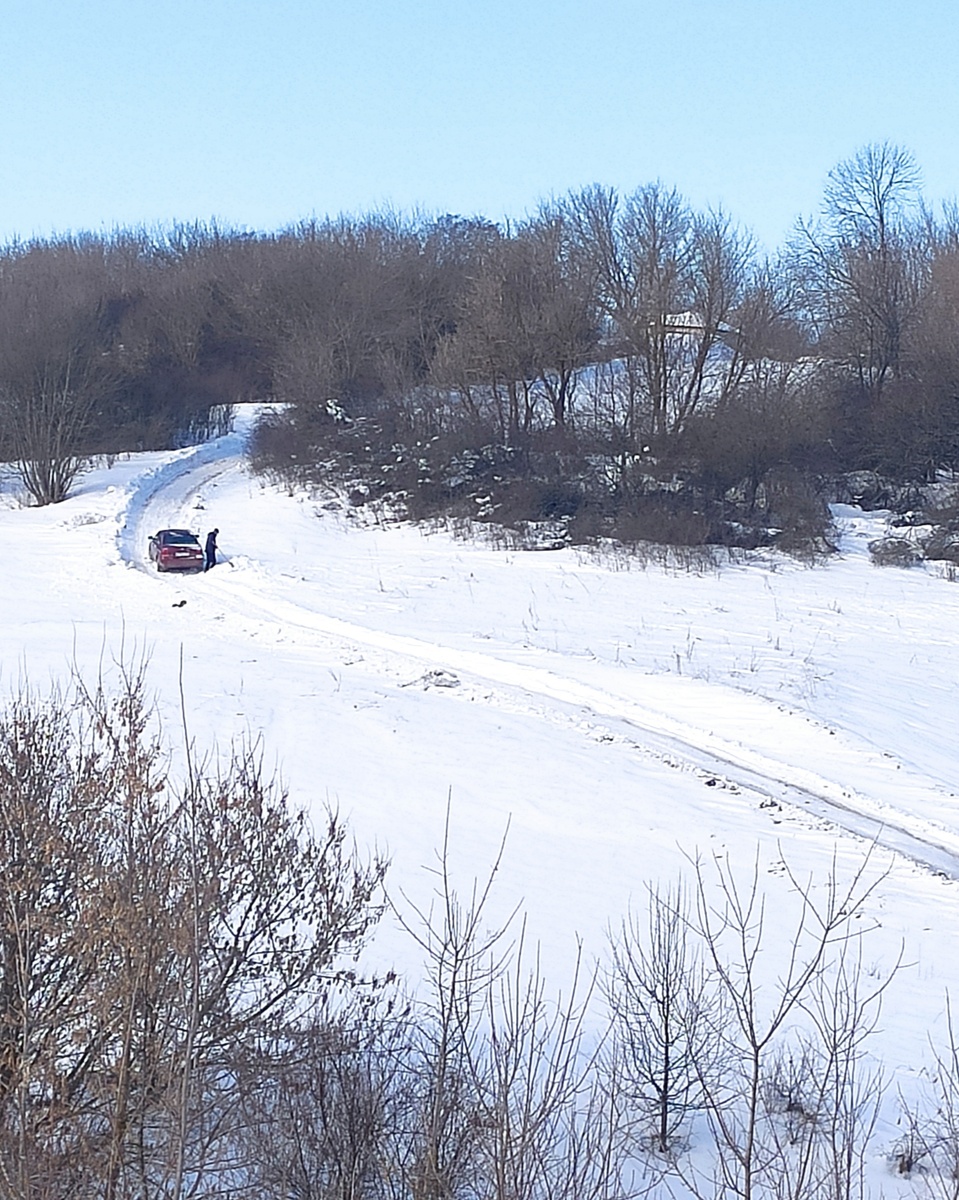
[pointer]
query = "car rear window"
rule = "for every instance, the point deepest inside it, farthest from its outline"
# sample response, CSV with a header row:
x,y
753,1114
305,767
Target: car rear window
x,y
179,537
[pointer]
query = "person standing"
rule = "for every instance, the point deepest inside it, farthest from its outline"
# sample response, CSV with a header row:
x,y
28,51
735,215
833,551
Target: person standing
x,y
210,558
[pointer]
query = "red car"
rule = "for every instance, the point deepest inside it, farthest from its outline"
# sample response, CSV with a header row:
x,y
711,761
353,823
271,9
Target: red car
x,y
176,550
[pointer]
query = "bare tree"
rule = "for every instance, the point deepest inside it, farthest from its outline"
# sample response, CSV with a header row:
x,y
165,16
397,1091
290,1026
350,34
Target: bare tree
x,y
845,1009
557,309
526,325
47,422
463,960
864,268
51,373
671,282
821,1096
868,195
511,1106
666,1045
535,1082
750,1162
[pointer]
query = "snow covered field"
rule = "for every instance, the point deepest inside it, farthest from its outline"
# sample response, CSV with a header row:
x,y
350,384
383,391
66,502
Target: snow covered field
x,y
617,719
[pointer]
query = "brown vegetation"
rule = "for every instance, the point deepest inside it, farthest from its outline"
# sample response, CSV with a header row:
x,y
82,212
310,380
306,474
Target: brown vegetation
x,y
182,1013
623,365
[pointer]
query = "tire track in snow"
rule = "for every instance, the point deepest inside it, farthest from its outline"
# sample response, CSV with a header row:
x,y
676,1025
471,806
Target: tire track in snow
x,y
151,485
801,789
806,790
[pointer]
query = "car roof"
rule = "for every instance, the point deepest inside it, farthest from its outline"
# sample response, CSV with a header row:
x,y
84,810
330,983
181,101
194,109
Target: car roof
x,y
179,533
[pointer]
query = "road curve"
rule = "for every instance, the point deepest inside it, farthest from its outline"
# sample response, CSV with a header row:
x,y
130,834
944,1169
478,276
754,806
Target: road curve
x,y
875,818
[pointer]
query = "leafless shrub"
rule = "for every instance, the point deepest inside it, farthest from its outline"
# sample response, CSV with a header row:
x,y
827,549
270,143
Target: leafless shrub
x,y
327,1112
930,1145
894,552
942,546
507,1101
463,961
911,1148
809,1142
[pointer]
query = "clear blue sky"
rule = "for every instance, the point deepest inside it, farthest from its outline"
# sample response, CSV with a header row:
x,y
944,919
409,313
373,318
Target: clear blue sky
x,y
262,112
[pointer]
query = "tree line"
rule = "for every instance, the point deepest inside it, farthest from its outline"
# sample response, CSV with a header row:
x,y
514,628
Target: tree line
x,y
184,1010
623,364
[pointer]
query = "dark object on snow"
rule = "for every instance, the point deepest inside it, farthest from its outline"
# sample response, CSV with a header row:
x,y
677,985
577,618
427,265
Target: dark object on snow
x,y
178,603
210,549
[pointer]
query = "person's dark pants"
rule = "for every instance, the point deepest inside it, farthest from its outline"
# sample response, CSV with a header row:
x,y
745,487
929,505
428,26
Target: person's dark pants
x,y
210,562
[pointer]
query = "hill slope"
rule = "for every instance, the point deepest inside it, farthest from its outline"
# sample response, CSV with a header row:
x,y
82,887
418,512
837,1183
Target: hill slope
x,y
618,721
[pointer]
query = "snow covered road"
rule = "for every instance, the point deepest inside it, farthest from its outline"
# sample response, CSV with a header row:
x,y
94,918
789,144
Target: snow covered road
x,y
788,759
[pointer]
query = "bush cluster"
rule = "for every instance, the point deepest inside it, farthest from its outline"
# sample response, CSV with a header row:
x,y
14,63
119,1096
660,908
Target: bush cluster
x,y
623,364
